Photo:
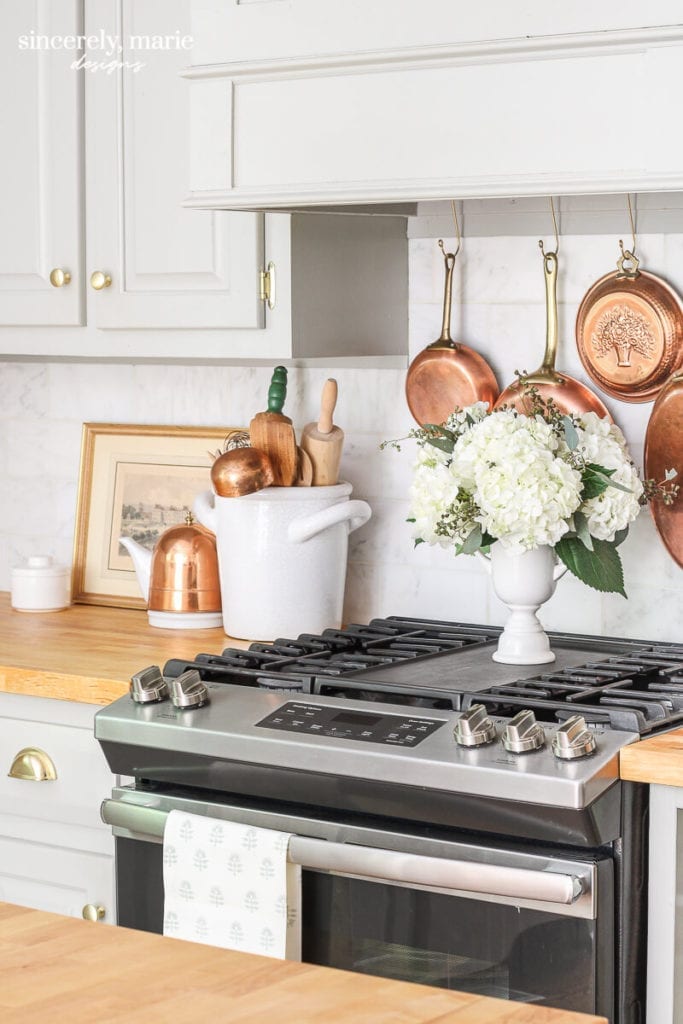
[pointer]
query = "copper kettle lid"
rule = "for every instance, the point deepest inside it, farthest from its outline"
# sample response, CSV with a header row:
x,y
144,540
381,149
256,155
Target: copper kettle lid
x,y
184,573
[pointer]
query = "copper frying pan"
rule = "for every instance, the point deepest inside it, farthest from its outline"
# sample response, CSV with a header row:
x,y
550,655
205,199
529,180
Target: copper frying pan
x,y
570,395
664,450
447,374
629,332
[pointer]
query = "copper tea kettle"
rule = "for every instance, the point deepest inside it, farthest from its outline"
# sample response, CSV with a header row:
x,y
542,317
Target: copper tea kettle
x,y
179,578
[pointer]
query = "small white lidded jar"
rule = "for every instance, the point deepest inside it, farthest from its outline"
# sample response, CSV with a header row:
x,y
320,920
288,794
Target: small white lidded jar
x,y
40,585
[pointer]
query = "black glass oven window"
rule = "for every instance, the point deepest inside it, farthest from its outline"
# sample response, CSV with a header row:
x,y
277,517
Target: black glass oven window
x,y
450,942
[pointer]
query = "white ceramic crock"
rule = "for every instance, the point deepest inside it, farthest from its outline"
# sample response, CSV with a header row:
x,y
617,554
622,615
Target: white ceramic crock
x,y
40,585
282,557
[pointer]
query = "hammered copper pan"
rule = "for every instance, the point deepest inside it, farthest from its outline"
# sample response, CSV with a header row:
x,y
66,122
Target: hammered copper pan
x,y
569,395
663,451
629,332
447,374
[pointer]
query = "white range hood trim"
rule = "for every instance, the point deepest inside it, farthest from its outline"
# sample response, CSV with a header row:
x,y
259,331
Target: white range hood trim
x,y
215,90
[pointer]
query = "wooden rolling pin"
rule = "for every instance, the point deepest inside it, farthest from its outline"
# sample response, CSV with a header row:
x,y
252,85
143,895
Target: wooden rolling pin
x,y
272,432
323,441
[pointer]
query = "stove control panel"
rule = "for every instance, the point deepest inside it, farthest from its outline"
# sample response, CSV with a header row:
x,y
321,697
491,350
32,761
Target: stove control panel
x,y
339,723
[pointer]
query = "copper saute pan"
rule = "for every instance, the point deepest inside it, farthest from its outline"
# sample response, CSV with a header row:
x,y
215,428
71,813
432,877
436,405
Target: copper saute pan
x,y
629,332
568,394
447,373
664,450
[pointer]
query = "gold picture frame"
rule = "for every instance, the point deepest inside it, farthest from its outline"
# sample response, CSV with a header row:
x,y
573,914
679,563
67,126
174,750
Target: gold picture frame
x,y
134,480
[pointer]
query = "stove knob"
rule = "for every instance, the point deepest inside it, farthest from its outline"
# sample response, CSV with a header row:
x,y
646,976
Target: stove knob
x,y
573,739
188,690
474,728
148,686
523,733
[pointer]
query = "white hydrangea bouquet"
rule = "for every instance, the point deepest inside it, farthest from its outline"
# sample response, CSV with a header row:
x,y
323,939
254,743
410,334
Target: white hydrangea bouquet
x,y
527,481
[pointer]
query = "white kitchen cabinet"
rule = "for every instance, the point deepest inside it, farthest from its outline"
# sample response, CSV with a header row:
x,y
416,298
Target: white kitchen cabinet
x,y
430,101
173,283
55,852
665,906
41,172
169,268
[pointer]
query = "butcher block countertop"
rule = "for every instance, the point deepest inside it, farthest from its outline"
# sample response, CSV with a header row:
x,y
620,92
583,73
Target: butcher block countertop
x,y
87,653
56,968
658,760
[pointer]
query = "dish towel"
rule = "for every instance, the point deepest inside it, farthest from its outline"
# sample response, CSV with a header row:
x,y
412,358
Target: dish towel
x,y
231,885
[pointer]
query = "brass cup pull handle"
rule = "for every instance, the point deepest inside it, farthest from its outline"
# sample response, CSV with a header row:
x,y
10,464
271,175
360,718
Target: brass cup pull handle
x,y
33,765
59,277
99,280
93,912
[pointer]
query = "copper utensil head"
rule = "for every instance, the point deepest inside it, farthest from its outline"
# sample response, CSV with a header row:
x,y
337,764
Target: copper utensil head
x,y
663,451
441,379
629,334
241,471
570,396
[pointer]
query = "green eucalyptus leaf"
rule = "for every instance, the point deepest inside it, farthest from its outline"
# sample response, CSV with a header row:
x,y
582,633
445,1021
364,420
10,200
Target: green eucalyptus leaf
x,y
442,444
582,531
571,435
620,537
473,541
670,474
595,480
410,520
440,429
600,568
418,540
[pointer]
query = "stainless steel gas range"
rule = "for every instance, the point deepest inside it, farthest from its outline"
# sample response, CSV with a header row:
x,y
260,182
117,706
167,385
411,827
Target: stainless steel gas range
x,y
459,822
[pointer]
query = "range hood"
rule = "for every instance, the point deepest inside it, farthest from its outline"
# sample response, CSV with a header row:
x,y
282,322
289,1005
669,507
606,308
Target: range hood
x,y
303,105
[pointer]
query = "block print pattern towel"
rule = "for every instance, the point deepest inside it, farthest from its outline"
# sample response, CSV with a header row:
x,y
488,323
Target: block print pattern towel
x,y
231,885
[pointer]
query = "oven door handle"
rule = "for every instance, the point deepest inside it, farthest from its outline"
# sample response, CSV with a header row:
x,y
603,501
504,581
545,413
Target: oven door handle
x,y
441,873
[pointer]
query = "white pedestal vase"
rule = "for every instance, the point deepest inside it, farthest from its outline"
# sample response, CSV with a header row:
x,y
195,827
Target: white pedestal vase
x,y
524,581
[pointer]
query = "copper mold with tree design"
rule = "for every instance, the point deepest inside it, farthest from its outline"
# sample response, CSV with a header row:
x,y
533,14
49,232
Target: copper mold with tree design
x,y
629,332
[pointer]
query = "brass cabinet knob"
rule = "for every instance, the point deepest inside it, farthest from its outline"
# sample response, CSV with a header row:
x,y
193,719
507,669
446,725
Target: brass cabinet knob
x,y
59,277
100,280
93,912
33,765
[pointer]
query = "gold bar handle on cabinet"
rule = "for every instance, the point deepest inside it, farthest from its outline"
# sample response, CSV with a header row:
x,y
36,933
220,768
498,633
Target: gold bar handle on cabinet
x,y
59,277
33,765
99,280
93,912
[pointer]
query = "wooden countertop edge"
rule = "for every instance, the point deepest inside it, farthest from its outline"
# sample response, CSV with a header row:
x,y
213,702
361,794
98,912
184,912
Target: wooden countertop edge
x,y
30,682
60,968
656,761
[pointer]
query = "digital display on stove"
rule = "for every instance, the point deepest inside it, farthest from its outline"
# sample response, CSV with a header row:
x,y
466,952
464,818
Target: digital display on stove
x,y
317,720
356,718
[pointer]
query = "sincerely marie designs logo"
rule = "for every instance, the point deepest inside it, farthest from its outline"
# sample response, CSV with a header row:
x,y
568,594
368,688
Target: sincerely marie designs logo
x,y
104,50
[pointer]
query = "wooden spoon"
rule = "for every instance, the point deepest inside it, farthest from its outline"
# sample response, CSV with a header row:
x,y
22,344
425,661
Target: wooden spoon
x,y
304,477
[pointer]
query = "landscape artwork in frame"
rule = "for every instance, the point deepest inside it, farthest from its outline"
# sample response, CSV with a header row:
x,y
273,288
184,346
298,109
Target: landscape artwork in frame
x,y
135,481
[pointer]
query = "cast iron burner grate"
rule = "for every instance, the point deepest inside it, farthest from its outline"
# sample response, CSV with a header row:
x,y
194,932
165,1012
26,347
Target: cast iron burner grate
x,y
637,693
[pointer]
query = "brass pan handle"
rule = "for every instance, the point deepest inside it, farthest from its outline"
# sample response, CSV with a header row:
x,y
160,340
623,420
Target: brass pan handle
x,y
33,765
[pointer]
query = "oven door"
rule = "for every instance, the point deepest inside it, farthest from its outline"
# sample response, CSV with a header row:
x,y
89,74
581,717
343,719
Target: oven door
x,y
528,926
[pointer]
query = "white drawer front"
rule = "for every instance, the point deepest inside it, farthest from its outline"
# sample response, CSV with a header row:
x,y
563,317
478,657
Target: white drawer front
x,y
83,777
61,881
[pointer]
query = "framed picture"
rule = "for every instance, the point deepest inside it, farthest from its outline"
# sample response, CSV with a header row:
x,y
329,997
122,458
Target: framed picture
x,y
135,481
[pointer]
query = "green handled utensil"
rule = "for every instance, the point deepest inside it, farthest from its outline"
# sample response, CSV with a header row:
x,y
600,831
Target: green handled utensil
x,y
272,432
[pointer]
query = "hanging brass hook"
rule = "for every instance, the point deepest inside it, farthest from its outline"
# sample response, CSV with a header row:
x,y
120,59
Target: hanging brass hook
x,y
557,238
629,254
457,227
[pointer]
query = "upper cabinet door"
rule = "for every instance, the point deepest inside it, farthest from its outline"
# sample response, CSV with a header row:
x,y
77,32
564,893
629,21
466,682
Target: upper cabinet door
x,y
41,166
169,267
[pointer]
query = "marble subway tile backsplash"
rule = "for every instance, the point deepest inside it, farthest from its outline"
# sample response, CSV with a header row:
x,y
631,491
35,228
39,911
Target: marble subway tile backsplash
x,y
498,309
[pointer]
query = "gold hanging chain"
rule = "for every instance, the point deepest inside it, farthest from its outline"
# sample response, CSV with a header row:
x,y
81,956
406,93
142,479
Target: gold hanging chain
x,y
629,254
557,237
